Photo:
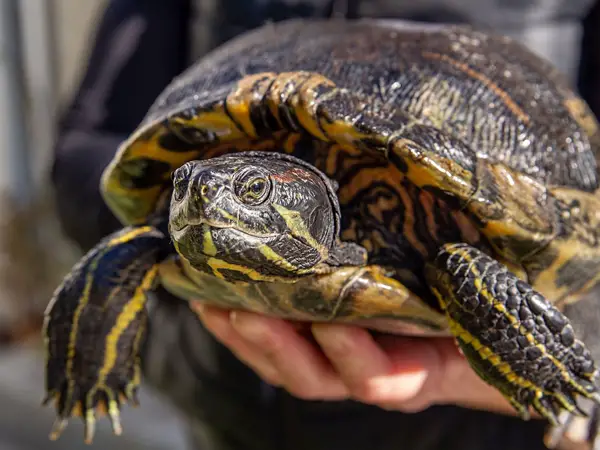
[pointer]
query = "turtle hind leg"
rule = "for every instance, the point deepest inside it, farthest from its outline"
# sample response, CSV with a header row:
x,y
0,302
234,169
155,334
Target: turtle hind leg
x,y
94,325
511,335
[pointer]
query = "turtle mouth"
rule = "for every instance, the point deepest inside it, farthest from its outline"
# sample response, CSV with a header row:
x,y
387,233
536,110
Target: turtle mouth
x,y
179,231
197,241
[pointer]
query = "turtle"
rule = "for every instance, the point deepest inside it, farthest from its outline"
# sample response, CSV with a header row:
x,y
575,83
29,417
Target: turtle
x,y
428,180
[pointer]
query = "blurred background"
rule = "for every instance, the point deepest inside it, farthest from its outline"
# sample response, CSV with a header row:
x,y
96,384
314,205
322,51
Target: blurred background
x,y
44,47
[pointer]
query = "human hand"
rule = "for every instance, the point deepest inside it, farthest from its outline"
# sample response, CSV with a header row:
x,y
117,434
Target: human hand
x,y
337,362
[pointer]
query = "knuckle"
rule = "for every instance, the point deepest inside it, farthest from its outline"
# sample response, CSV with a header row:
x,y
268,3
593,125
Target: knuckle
x,y
254,331
271,350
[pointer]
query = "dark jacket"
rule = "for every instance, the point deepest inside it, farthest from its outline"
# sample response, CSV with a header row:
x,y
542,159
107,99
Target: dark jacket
x,y
139,47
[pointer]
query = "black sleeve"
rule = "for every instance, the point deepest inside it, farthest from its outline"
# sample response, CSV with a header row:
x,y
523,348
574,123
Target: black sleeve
x,y
140,45
589,69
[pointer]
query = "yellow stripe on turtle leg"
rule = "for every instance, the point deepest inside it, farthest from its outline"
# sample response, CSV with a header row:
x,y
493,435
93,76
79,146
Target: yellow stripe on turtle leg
x,y
521,409
540,407
109,284
124,319
478,294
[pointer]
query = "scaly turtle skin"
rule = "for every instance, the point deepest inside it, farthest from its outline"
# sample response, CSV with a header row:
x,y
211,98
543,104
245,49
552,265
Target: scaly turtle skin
x,y
441,181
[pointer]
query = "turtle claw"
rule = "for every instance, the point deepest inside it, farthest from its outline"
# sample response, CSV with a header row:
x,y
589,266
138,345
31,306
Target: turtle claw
x,y
579,428
115,422
101,408
114,416
57,428
543,406
89,427
99,402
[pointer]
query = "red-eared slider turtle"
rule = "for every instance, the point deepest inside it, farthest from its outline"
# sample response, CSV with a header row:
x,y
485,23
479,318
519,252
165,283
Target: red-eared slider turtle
x,y
429,180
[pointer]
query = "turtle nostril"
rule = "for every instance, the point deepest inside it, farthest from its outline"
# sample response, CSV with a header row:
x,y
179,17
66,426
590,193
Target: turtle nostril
x,y
206,187
211,190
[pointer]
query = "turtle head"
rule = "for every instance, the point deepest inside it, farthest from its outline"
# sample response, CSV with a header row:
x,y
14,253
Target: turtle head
x,y
257,216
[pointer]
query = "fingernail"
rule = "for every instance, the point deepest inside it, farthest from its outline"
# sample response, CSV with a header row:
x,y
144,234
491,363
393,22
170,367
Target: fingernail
x,y
398,388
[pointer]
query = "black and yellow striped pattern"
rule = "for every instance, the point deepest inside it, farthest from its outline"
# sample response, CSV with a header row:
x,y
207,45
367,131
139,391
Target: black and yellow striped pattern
x,y
94,326
512,336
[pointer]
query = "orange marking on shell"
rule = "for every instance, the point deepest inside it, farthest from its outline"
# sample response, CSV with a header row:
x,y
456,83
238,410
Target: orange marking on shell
x,y
503,95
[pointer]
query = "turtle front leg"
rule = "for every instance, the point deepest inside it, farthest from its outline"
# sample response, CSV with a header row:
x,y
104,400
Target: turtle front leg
x,y
511,335
94,325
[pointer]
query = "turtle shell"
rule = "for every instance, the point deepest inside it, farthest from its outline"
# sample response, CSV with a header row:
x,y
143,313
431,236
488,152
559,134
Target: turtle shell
x,y
434,134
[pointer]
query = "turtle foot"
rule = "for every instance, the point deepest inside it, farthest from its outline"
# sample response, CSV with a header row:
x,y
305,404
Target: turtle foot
x,y
99,402
94,328
514,338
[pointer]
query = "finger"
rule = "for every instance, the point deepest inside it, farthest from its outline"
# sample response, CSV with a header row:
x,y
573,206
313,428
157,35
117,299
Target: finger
x,y
412,383
366,367
302,368
218,322
450,379
458,383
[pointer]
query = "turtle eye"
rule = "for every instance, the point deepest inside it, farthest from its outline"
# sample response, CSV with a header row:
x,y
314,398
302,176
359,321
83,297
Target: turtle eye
x,y
180,178
255,191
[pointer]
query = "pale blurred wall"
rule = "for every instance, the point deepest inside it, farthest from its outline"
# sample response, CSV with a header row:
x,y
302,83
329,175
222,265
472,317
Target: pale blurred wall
x,y
56,39
54,43
156,426
74,24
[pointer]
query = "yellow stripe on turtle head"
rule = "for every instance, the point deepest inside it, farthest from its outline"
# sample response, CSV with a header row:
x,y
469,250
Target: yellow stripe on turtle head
x,y
218,265
297,227
208,245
